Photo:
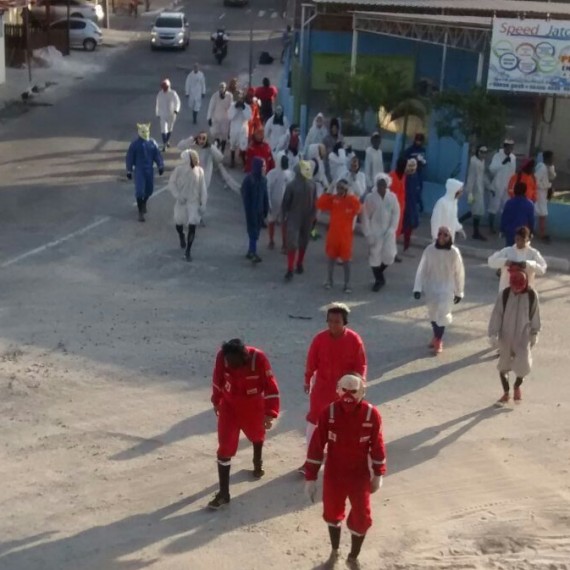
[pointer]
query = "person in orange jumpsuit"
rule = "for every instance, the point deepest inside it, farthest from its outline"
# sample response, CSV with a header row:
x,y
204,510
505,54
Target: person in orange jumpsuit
x,y
245,397
343,208
334,352
255,121
259,148
526,175
351,430
398,176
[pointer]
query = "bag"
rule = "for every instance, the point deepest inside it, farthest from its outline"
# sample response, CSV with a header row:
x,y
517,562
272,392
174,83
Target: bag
x,y
265,58
532,301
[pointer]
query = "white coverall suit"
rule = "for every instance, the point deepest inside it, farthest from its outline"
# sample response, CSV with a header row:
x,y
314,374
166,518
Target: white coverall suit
x,y
195,89
218,110
167,107
239,119
380,218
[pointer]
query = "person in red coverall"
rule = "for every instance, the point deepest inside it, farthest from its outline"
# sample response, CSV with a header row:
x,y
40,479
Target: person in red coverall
x,y
333,353
261,149
266,94
245,397
255,121
351,430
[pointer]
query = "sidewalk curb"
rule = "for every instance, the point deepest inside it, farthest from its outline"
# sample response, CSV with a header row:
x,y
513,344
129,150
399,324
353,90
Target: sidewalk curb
x,y
559,264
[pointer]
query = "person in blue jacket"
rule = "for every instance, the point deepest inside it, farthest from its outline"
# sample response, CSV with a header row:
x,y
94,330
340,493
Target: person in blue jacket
x,y
256,204
411,218
417,151
518,212
142,155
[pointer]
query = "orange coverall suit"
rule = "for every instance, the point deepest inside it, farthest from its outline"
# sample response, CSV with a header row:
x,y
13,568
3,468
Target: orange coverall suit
x,y
399,188
530,182
352,439
243,397
330,359
343,210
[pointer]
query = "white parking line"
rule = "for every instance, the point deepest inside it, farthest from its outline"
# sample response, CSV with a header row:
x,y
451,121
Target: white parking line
x,y
56,242
261,13
222,16
274,15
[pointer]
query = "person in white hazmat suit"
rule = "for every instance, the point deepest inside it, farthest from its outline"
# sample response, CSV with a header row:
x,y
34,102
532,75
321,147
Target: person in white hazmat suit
x,y
502,168
520,255
167,107
195,91
239,116
218,119
356,179
445,210
513,329
373,160
277,180
316,153
188,186
380,217
317,133
276,128
475,190
441,279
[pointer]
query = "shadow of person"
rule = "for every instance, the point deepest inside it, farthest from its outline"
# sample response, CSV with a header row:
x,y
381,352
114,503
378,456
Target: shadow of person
x,y
19,543
411,450
198,424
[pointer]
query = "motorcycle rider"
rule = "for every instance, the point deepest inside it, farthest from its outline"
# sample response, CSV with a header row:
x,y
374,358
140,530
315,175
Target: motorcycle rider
x,y
220,41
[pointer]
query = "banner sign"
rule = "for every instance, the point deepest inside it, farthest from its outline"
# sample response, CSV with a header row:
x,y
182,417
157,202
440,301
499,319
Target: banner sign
x,y
530,56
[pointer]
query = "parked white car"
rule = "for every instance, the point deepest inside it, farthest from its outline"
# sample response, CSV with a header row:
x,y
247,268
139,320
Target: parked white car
x,y
82,33
77,9
171,29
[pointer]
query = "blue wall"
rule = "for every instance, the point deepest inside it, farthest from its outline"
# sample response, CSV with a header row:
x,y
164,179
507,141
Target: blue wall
x,y
460,70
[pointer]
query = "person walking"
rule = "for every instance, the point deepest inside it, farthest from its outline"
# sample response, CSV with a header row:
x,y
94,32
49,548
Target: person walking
x,y
411,218
218,119
343,208
475,190
445,210
417,150
290,143
317,133
441,278
373,160
256,205
513,328
167,108
299,208
188,186
267,94
518,212
277,181
351,430
258,148
286,41
502,167
333,352
545,175
525,175
276,127
239,116
398,187
520,255
195,88
356,178
380,218
245,396
142,155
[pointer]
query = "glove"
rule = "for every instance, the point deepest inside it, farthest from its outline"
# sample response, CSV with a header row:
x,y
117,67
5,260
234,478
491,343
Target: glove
x,y
375,483
311,490
549,194
129,175
493,341
176,112
268,422
470,199
307,388
507,160
417,295
421,159
216,411
456,300
533,340
160,171
209,122
203,95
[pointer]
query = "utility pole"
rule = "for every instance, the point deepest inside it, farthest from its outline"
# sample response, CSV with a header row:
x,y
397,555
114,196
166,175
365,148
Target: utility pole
x,y
107,15
250,50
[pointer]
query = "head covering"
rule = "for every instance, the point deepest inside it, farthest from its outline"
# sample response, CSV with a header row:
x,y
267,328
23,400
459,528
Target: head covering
x,y
257,166
306,169
222,85
165,83
192,155
452,186
518,281
144,130
259,134
352,382
385,177
449,243
508,141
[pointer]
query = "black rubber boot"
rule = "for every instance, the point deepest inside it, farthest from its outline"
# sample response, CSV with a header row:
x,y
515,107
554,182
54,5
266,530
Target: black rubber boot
x,y
223,146
258,471
334,535
232,159
194,117
223,495
145,200
180,230
140,206
352,560
465,216
492,223
476,233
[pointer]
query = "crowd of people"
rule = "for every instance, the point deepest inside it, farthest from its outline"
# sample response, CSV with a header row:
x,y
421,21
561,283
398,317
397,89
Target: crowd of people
x,y
291,186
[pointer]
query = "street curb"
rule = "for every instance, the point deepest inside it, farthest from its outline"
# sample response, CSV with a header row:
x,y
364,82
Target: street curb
x,y
559,264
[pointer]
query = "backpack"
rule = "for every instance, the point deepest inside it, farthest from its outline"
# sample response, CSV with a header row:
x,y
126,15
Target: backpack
x,y
265,58
532,300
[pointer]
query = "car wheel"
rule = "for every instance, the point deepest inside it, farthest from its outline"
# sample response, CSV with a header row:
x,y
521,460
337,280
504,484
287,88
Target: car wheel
x,y
76,15
89,44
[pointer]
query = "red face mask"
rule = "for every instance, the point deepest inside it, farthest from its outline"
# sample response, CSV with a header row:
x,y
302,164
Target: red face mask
x,y
348,402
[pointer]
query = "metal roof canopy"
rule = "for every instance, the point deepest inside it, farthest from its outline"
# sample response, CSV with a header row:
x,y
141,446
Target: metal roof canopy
x,y
465,33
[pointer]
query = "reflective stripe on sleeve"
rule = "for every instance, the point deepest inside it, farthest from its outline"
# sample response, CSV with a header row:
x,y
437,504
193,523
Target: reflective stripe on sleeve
x,y
272,396
383,462
369,413
314,461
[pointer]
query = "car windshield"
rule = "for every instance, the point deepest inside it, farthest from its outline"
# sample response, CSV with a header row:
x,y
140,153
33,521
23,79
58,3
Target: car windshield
x,y
168,23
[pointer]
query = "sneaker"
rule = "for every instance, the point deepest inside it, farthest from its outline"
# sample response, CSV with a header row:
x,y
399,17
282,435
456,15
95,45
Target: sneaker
x,y
437,346
379,284
347,289
328,285
504,399
256,258
258,472
517,395
300,269
353,563
398,259
288,276
218,501
249,255
271,245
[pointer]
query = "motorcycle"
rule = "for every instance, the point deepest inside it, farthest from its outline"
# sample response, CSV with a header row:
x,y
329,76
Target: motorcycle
x,y
220,49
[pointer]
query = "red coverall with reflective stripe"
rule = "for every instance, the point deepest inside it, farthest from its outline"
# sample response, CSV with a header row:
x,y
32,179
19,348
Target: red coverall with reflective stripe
x,y
243,397
354,445
330,359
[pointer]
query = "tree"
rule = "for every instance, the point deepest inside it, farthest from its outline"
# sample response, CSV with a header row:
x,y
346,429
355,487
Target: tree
x,y
476,117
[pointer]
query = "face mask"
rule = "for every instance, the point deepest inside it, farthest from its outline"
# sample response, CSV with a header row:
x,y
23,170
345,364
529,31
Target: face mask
x,y
144,130
348,402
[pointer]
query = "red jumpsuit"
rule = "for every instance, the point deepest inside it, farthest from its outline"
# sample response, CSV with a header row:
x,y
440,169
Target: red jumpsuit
x,y
331,358
399,188
243,397
354,445
261,150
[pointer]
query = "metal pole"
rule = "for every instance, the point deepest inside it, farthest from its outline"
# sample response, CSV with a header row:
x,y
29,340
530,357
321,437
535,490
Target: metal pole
x,y
67,38
302,40
28,42
107,15
250,50
480,60
354,51
443,60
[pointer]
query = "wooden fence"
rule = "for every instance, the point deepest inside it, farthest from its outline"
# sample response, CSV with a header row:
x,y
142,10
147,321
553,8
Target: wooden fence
x,y
15,41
